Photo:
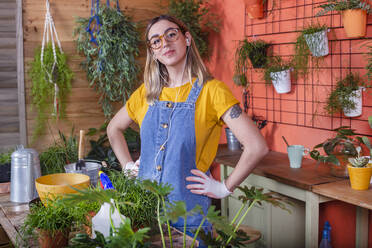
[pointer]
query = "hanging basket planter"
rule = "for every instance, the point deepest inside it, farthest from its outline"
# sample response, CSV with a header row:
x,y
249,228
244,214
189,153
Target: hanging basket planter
x,y
356,97
254,8
258,56
318,43
355,22
281,81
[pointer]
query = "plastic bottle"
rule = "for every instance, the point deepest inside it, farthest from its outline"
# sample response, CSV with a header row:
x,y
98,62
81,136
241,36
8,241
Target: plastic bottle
x,y
101,221
328,227
325,242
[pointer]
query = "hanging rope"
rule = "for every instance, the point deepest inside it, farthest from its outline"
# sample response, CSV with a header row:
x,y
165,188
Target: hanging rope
x,y
51,32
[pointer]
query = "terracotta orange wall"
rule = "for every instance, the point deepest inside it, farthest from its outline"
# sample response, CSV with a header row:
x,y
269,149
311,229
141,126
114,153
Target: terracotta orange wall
x,y
232,16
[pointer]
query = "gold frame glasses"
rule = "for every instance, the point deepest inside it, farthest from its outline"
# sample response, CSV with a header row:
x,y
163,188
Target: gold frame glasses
x,y
170,35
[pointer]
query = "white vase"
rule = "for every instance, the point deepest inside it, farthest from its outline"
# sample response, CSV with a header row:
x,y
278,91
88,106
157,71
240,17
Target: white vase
x,y
318,43
281,81
357,98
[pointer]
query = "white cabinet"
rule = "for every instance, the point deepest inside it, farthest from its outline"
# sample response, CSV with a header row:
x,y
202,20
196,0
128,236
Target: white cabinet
x,y
278,227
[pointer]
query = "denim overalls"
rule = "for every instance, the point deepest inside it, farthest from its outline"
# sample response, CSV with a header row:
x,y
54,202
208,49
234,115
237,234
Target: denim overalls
x,y
173,124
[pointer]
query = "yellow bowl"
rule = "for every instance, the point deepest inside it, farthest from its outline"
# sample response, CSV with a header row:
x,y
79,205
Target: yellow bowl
x,y
57,185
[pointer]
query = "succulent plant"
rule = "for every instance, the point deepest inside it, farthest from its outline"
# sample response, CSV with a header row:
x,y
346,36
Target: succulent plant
x,y
359,161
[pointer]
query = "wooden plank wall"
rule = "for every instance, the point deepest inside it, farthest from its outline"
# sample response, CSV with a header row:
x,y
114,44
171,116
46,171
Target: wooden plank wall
x,y
9,121
83,110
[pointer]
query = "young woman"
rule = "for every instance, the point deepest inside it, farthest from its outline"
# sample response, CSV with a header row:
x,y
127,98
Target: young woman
x,y
181,110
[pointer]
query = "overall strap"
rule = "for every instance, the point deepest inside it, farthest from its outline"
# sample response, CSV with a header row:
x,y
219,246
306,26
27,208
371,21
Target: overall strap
x,y
194,93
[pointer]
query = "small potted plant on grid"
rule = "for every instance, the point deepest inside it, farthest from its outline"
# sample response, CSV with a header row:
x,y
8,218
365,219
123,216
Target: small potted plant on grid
x,y
354,15
278,72
347,96
311,39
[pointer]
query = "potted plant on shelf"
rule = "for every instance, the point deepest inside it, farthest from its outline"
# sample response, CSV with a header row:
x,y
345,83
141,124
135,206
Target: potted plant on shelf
x,y
278,72
347,96
51,225
354,15
360,171
337,150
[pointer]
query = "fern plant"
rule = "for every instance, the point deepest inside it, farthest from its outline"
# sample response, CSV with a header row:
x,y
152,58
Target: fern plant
x,y
341,5
43,91
111,65
195,14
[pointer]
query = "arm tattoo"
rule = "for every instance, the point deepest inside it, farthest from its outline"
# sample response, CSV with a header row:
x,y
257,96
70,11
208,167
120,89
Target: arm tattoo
x,y
235,111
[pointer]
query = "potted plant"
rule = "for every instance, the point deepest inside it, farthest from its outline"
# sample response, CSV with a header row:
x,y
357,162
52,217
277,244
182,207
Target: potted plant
x,y
5,168
347,96
255,8
317,40
337,150
354,15
51,225
278,72
360,171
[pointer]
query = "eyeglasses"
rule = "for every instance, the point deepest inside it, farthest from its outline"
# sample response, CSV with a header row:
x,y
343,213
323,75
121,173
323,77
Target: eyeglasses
x,y
171,35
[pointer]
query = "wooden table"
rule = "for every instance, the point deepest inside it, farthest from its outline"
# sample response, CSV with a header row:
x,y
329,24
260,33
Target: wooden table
x,y
12,216
362,199
274,173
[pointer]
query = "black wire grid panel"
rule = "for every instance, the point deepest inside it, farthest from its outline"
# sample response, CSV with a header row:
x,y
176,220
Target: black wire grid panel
x,y
304,105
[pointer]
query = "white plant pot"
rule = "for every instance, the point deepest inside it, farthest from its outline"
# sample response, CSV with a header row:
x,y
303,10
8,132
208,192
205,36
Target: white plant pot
x,y
318,43
281,81
358,104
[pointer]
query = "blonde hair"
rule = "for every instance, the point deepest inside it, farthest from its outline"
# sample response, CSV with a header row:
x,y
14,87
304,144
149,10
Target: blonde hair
x,y
156,74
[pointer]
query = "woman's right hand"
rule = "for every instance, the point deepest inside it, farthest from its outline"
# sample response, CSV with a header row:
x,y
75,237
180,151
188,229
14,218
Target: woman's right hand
x,y
131,168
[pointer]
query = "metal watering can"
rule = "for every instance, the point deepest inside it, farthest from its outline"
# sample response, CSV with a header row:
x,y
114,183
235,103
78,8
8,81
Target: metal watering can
x,y
25,168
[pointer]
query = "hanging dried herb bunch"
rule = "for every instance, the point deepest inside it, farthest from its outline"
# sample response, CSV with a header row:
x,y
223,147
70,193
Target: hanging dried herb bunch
x,y
43,91
110,65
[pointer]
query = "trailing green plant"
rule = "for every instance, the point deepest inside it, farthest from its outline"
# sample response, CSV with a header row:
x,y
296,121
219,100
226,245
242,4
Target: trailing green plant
x,y
111,65
256,52
275,64
344,143
369,63
341,97
196,15
63,151
341,5
302,51
43,91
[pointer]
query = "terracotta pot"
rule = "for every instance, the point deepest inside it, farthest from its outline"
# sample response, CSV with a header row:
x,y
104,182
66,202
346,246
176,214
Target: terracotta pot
x,y
88,227
254,8
57,240
360,177
355,22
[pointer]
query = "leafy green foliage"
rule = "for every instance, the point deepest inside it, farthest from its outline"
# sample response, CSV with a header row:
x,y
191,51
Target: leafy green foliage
x,y
253,194
160,189
101,149
302,51
42,91
57,216
5,157
369,63
344,142
124,236
254,50
237,241
195,14
340,5
64,151
275,64
341,97
142,209
111,66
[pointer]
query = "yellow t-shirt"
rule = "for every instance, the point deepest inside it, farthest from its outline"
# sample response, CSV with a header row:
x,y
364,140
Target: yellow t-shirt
x,y
214,100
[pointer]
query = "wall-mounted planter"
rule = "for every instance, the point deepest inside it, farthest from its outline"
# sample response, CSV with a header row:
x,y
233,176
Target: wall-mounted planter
x,y
258,56
318,43
281,81
356,97
254,8
355,22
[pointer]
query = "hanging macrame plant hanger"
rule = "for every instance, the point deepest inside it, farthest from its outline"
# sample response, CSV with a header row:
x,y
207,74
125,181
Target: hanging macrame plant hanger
x,y
49,33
